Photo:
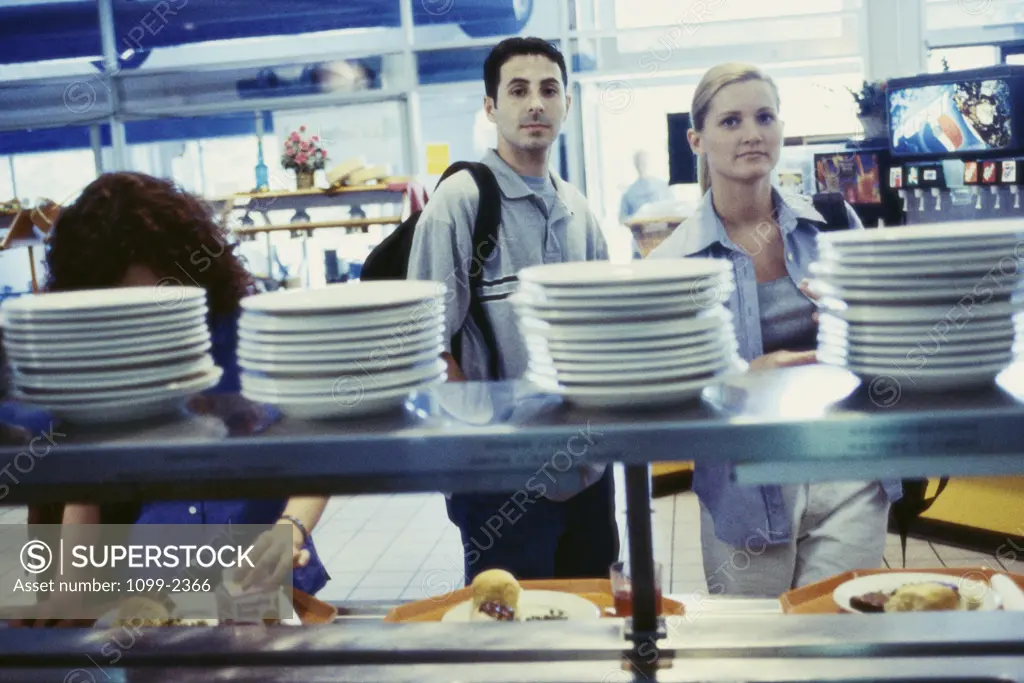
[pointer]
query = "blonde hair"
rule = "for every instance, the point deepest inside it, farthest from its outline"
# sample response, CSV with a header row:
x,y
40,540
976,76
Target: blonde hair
x,y
714,80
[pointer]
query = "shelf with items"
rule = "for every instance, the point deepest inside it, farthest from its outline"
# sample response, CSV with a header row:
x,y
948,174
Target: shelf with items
x,y
796,424
444,440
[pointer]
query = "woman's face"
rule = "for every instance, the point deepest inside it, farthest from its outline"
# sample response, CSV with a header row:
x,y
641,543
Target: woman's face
x,y
139,276
742,136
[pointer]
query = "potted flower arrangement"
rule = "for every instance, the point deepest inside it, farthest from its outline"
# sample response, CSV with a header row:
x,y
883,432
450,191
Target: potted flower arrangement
x,y
306,156
871,108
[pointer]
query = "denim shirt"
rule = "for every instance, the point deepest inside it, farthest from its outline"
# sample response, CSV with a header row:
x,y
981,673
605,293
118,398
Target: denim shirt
x,y
740,511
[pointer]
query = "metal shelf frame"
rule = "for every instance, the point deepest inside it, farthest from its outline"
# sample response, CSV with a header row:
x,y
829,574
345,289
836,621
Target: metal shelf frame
x,y
805,424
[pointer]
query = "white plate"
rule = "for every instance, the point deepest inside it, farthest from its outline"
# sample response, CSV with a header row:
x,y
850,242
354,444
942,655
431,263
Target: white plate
x,y
651,395
920,246
314,355
344,406
967,254
838,276
913,349
112,379
715,318
536,603
115,322
955,233
128,331
397,319
622,293
970,584
126,360
954,315
690,297
913,359
938,330
725,334
923,295
344,386
376,364
656,349
136,405
630,358
350,296
87,303
926,379
330,341
611,316
613,375
603,273
104,348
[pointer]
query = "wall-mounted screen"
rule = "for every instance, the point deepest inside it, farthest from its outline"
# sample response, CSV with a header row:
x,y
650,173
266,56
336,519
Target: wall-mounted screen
x,y
854,174
964,116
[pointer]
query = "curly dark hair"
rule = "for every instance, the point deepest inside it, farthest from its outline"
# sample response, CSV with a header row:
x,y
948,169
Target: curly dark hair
x,y
126,218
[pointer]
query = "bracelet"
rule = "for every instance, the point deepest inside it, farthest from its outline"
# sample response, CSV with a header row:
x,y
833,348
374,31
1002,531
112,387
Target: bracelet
x,y
299,525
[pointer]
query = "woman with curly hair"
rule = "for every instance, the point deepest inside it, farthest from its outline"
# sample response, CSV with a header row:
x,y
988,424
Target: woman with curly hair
x,y
130,229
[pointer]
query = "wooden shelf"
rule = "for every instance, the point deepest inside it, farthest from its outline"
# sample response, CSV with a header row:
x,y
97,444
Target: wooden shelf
x,y
323,225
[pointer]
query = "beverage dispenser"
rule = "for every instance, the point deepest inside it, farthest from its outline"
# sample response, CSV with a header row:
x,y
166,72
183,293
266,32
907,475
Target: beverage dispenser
x,y
956,144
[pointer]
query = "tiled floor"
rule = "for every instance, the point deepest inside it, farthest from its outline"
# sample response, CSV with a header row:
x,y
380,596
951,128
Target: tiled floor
x,y
402,546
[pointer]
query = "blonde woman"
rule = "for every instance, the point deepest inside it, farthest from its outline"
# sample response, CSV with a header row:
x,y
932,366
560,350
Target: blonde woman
x,y
766,540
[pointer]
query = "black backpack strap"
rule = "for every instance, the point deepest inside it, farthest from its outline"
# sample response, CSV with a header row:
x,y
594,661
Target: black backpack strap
x,y
832,207
485,240
913,504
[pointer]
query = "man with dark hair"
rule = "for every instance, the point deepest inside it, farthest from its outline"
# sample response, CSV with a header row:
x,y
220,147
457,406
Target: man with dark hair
x,y
561,523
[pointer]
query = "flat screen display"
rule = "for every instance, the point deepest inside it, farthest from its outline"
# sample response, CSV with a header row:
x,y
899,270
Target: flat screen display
x,y
967,116
854,174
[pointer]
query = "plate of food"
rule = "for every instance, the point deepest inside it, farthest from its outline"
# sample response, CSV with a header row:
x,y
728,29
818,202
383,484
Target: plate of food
x,y
916,592
497,596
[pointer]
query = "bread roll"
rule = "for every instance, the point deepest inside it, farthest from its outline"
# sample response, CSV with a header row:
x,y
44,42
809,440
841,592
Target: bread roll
x,y
496,588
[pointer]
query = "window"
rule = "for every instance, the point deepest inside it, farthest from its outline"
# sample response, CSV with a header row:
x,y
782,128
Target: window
x,y
962,58
693,13
59,176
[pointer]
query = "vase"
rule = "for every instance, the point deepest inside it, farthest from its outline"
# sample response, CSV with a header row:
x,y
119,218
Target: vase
x,y
304,180
874,127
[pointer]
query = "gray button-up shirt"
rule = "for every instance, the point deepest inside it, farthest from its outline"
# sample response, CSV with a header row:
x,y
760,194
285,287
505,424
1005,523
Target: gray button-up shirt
x,y
443,250
529,235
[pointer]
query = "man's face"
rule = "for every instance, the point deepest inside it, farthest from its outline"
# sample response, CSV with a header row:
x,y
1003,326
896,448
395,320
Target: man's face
x,y
531,104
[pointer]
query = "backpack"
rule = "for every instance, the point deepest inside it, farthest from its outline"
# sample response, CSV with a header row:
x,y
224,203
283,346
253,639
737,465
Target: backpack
x,y
389,260
914,503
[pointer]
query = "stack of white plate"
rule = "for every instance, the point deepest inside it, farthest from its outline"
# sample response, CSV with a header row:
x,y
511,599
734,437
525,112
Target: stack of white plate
x,y
343,350
109,355
928,308
644,334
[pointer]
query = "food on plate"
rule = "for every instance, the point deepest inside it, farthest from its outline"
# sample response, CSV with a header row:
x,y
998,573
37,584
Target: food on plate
x,y
870,602
551,615
924,597
928,596
495,596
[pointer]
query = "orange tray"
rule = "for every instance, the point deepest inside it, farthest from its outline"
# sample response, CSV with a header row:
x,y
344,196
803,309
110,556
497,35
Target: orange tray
x,y
817,598
597,591
309,610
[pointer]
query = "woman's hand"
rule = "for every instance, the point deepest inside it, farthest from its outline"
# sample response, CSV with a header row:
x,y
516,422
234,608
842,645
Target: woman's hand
x,y
783,359
272,557
805,287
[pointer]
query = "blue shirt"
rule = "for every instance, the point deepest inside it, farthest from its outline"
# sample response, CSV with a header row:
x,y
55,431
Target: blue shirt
x,y
739,511
643,191
224,336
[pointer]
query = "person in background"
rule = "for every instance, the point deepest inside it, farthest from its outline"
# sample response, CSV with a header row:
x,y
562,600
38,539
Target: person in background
x,y
130,229
563,528
644,190
787,536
